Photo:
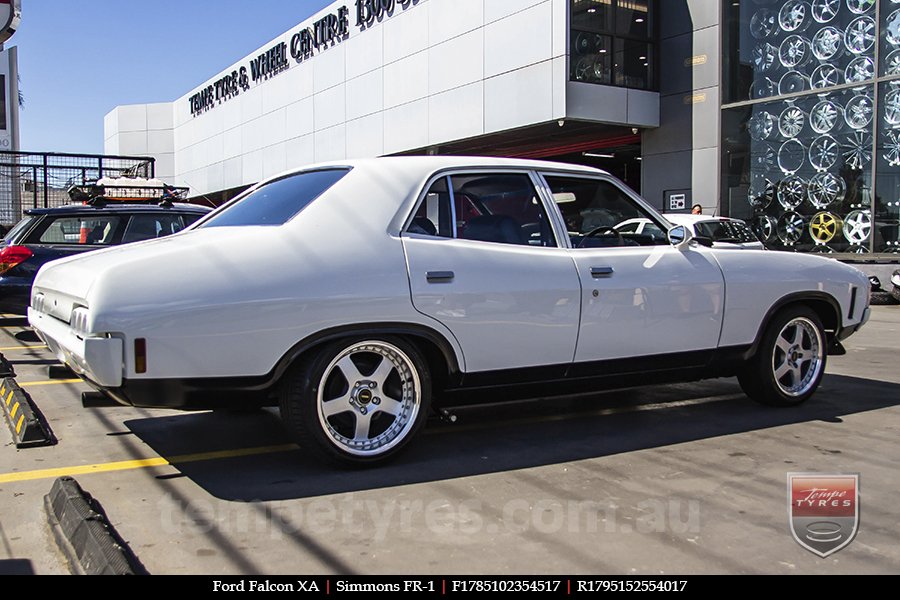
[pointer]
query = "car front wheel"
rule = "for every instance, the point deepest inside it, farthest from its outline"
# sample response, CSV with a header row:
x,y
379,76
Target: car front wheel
x,y
358,402
790,361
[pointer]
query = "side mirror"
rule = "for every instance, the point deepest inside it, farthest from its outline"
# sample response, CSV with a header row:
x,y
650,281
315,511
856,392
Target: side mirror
x,y
679,236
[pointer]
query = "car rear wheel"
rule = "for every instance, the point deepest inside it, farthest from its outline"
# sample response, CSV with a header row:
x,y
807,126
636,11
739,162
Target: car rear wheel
x,y
357,402
790,361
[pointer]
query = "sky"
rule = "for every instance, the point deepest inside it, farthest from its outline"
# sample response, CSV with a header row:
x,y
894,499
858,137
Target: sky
x,y
80,59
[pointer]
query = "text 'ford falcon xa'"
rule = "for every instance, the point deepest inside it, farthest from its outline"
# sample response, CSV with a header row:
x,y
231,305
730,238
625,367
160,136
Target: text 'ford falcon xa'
x,y
352,294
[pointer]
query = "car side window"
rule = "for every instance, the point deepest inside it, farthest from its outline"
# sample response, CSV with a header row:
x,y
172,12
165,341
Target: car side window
x,y
434,215
501,208
599,214
99,230
145,227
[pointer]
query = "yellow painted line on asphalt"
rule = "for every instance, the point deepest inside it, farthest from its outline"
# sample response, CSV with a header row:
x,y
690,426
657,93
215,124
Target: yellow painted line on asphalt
x,y
141,463
11,348
48,382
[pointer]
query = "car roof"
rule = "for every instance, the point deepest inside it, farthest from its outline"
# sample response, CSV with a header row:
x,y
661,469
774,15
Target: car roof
x,y
118,207
435,163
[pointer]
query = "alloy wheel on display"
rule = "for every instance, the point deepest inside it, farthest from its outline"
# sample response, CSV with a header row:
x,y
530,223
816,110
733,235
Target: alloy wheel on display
x,y
824,11
860,7
857,227
764,56
892,148
761,125
859,111
824,116
859,37
824,227
858,154
794,52
791,156
790,228
791,122
825,189
860,69
763,23
825,76
794,16
791,192
827,43
824,152
761,192
764,228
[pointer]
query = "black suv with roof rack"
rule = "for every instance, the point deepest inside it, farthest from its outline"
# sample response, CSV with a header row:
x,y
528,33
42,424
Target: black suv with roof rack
x,y
46,234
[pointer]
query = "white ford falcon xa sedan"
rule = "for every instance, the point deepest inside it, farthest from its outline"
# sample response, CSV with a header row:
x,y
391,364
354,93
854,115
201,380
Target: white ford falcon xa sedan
x,y
353,294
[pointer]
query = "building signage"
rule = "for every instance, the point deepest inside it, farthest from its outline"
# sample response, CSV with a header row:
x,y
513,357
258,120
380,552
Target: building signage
x,y
324,33
328,31
369,11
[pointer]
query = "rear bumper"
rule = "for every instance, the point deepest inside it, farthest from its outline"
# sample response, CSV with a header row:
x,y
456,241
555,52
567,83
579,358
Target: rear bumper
x,y
98,359
193,394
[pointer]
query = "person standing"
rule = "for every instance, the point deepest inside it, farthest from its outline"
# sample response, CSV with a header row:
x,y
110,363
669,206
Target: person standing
x,y
696,210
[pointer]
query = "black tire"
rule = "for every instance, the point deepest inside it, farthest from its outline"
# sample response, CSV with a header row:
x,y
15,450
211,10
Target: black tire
x,y
314,393
790,360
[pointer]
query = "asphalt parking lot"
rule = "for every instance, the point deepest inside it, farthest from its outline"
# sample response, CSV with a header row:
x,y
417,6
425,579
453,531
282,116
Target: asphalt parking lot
x,y
673,479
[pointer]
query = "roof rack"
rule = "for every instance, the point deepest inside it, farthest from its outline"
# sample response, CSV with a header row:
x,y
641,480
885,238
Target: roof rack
x,y
127,191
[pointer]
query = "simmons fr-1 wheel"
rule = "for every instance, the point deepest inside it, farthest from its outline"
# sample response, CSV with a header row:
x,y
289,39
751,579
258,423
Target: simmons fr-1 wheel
x,y
790,361
357,402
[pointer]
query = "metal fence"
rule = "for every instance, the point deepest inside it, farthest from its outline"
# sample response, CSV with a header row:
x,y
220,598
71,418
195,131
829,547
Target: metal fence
x,y
41,179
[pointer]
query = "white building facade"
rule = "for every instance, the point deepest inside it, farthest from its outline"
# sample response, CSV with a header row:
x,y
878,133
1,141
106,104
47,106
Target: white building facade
x,y
379,77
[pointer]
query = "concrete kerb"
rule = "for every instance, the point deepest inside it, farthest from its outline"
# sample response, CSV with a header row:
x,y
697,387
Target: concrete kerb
x,y
84,533
27,424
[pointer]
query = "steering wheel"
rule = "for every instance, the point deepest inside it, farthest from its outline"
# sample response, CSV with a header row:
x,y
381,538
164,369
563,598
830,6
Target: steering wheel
x,y
602,230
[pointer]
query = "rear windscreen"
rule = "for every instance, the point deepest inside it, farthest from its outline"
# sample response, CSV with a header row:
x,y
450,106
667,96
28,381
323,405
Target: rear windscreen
x,y
277,202
17,229
80,230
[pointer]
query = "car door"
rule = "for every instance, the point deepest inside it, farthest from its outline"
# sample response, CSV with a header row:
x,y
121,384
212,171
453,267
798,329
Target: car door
x,y
641,296
484,261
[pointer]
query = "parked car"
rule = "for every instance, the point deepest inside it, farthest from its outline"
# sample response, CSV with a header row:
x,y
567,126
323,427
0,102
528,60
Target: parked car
x,y
895,282
641,226
353,294
724,232
46,234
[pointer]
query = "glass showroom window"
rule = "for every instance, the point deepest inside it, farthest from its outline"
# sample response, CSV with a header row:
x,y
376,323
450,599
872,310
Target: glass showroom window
x,y
808,126
885,222
611,42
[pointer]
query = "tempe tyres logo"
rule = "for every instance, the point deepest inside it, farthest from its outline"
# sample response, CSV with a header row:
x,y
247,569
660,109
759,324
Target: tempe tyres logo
x,y
823,510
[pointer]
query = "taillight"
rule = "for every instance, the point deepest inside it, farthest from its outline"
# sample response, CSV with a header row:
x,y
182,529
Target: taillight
x,y
140,355
12,256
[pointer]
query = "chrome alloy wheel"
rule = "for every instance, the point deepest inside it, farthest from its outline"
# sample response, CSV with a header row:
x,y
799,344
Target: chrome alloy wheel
x,y
797,357
368,398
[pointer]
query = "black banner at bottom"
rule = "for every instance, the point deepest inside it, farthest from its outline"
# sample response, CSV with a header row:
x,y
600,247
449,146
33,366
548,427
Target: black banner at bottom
x,y
449,585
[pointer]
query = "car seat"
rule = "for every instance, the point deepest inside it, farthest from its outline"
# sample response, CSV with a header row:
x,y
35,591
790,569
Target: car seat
x,y
494,228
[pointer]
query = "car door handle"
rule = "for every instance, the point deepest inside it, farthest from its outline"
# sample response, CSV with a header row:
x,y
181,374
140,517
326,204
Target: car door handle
x,y
597,272
439,276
